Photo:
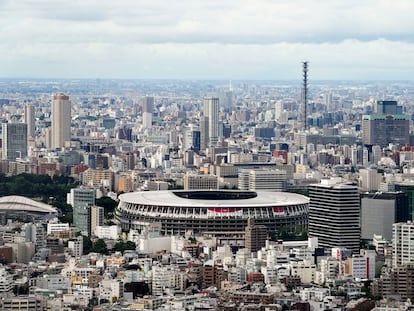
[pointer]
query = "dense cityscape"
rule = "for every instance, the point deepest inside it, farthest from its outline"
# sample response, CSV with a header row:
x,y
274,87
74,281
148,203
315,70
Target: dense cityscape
x,y
206,195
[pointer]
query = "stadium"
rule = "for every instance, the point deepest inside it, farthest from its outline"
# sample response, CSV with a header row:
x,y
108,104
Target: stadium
x,y
213,212
23,209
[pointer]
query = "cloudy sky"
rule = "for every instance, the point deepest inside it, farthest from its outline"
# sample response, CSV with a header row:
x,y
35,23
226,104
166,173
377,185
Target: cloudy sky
x,y
207,39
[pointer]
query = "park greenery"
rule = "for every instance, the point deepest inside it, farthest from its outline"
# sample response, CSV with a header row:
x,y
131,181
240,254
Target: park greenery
x,y
42,187
50,190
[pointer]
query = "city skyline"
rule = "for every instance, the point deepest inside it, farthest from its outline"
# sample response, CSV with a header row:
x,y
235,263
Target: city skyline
x,y
214,40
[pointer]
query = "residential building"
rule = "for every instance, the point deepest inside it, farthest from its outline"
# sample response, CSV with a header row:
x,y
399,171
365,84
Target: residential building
x,y
402,243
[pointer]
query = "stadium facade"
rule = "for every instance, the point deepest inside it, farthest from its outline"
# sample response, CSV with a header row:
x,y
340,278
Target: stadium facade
x,y
212,212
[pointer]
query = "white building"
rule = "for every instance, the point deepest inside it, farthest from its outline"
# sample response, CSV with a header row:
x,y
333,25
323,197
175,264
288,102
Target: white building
x,y
108,232
305,270
111,290
55,228
6,281
402,243
361,266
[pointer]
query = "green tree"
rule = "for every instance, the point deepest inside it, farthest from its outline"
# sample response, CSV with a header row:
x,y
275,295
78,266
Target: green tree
x,y
108,204
87,244
100,247
124,246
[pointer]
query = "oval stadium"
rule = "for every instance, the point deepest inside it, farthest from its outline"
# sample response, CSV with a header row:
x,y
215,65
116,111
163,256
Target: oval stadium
x,y
212,212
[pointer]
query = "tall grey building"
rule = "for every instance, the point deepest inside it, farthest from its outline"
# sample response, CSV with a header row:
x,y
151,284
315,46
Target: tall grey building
x,y
82,201
30,119
211,111
334,210
14,143
61,120
147,110
380,211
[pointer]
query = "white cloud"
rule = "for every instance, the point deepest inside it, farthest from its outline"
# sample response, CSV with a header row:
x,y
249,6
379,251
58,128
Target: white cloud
x,y
210,39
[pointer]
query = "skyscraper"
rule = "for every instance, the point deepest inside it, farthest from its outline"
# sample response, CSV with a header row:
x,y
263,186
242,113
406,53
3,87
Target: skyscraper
x,y
14,141
82,201
29,119
334,214
61,120
388,125
147,110
211,111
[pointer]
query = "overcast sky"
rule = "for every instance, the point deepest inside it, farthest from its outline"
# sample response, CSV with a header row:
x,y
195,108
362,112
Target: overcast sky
x,y
207,39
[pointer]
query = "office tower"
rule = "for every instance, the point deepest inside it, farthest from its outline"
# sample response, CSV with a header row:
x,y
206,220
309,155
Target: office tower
x,y
30,120
402,243
14,143
211,111
379,211
61,120
255,236
387,126
147,110
271,180
388,107
334,214
82,200
191,138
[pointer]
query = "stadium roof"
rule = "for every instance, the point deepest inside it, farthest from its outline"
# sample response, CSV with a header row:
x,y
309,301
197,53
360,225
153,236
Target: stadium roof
x,y
169,198
18,203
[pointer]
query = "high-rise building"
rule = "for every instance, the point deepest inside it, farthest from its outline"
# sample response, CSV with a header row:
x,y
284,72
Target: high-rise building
x,y
255,236
204,129
334,214
61,120
82,200
402,243
14,143
211,111
147,110
30,119
380,211
191,138
387,126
